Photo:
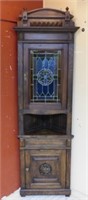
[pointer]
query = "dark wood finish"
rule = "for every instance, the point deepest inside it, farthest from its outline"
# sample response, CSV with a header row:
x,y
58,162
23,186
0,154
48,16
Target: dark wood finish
x,y
46,169
45,191
45,127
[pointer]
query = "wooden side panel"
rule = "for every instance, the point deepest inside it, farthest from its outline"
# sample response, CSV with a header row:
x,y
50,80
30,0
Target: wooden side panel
x,y
26,76
20,86
70,84
64,77
22,166
20,75
27,169
68,163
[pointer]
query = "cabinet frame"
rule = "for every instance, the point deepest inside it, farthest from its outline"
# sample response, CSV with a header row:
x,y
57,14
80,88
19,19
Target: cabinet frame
x,y
45,29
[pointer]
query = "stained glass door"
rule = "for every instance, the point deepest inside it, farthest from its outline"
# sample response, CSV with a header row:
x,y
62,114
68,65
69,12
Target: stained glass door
x,y
45,75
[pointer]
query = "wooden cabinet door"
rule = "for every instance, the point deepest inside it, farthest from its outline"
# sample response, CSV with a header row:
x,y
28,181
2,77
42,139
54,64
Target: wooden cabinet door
x,y
45,84
45,169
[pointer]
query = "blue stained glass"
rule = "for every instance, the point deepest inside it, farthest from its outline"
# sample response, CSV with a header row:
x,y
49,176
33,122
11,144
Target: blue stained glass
x,y
45,76
45,63
51,89
52,64
45,90
38,64
39,89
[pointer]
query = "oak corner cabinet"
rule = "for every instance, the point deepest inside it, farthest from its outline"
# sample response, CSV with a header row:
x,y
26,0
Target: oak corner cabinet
x,y
45,67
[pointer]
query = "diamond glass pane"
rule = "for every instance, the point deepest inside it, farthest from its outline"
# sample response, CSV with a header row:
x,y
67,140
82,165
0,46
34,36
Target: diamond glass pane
x,y
45,76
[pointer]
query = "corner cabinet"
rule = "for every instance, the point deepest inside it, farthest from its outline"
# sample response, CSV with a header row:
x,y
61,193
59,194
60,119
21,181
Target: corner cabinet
x,y
45,67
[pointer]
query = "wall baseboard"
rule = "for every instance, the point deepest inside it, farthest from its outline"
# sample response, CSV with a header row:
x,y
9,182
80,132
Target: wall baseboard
x,y
77,195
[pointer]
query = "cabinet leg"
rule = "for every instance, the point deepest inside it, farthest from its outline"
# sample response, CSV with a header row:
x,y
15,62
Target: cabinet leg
x,y
67,195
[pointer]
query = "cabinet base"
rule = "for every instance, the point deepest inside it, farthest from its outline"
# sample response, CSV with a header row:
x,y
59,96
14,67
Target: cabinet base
x,y
24,192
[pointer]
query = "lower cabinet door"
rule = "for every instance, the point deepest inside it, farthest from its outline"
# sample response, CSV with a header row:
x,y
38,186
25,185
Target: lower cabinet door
x,y
45,168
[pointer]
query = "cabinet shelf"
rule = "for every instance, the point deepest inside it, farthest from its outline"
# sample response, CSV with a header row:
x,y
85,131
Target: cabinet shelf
x,y
45,124
44,109
50,137
46,132
45,112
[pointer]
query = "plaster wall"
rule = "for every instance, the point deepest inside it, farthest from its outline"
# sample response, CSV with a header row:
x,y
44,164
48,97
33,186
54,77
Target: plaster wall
x,y
9,148
79,169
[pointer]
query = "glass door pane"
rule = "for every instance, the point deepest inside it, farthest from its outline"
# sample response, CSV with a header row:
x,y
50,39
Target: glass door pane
x,y
45,71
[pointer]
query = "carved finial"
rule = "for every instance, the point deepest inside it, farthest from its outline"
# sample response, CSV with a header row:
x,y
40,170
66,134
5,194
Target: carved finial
x,y
67,8
24,15
67,14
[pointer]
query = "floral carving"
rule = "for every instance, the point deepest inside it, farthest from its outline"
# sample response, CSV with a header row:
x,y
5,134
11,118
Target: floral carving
x,y
45,169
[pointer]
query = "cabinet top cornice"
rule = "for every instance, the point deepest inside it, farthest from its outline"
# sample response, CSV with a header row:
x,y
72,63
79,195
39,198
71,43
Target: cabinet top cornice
x,y
46,19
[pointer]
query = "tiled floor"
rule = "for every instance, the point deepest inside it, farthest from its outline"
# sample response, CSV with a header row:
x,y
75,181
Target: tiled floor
x,y
16,196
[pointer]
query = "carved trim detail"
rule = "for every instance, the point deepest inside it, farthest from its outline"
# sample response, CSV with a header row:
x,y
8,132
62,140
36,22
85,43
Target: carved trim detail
x,y
46,18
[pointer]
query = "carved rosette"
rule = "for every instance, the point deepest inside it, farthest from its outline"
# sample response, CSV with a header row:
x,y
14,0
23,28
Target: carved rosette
x,y
45,169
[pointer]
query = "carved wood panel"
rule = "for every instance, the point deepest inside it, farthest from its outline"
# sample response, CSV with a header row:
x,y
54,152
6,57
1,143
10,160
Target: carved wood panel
x,y
45,168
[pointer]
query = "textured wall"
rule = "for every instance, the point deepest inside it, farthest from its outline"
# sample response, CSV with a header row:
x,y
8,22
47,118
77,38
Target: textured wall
x,y
79,170
9,168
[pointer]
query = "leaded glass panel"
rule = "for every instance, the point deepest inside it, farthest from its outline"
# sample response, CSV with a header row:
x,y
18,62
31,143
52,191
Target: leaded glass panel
x,y
45,76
